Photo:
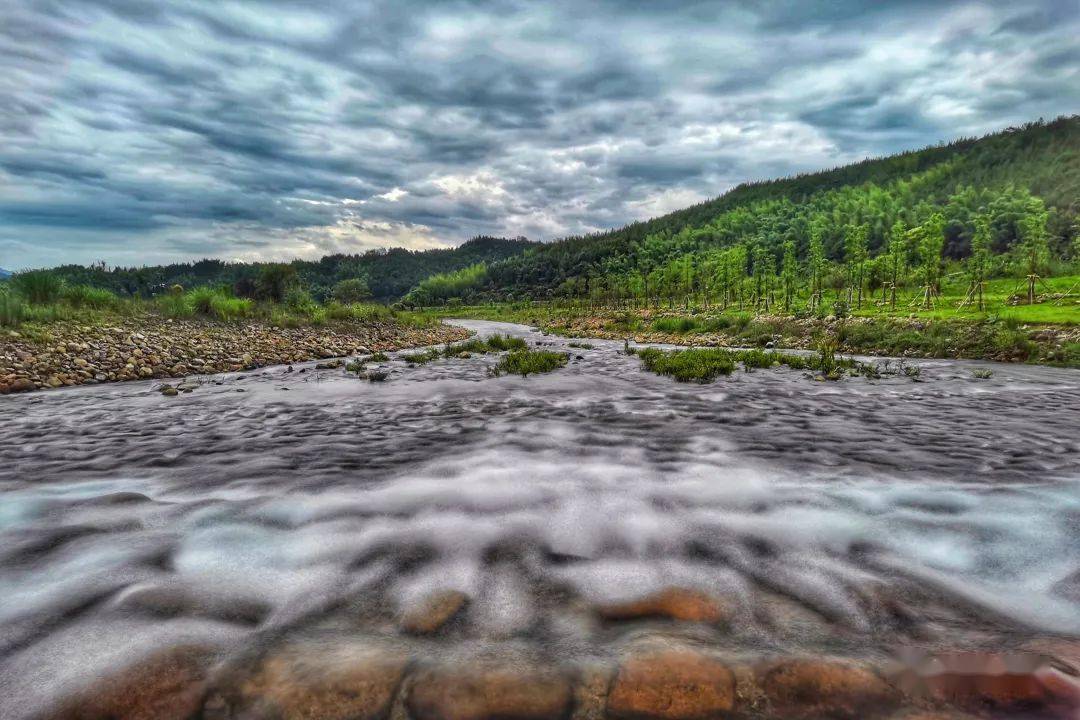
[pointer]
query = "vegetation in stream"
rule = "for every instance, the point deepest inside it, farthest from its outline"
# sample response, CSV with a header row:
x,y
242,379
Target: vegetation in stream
x,y
707,364
474,346
529,362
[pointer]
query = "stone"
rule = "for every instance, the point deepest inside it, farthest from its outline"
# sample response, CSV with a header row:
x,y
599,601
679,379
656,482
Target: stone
x,y
313,681
170,392
433,612
167,685
22,385
1016,681
805,688
491,689
671,684
672,603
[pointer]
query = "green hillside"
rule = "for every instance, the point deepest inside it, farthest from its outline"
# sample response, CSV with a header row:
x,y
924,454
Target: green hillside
x,y
877,219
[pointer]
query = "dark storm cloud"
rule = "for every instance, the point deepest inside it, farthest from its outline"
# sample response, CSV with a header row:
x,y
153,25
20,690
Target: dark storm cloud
x,y
140,132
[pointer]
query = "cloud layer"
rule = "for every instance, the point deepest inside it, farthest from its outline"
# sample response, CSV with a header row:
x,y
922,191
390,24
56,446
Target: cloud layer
x,y
144,132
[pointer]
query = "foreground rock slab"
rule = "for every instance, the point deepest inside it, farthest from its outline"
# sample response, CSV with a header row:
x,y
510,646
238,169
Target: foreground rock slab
x,y
490,690
675,684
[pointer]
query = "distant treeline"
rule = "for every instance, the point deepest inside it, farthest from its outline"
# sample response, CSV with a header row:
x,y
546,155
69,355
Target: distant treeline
x,y
388,274
990,189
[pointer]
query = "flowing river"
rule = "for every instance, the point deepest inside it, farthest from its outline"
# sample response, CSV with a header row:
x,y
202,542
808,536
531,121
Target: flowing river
x,y
862,519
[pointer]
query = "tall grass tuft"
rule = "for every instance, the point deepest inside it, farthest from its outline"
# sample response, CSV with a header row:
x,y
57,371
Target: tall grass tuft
x,y
88,296
37,287
530,362
11,310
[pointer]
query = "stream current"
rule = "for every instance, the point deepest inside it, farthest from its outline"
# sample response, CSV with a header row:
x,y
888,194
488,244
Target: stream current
x,y
857,516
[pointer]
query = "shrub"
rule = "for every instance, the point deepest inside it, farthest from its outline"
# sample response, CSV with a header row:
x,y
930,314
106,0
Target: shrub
x,y
370,312
678,325
275,281
696,364
80,296
201,300
498,343
228,308
826,346
528,362
351,291
174,306
336,311
37,287
419,358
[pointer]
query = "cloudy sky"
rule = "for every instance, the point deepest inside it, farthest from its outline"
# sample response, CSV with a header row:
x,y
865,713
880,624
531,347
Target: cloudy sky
x,y
138,132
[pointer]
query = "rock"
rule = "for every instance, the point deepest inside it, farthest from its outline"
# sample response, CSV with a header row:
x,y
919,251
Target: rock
x,y
493,689
824,688
170,392
340,681
673,603
167,685
54,381
1003,681
671,684
433,612
331,365
22,385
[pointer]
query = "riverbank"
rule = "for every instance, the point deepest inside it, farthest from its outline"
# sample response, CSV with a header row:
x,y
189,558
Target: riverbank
x,y
139,348
988,338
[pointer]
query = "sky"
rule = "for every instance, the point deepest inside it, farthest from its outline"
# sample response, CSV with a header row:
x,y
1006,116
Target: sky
x,y
137,132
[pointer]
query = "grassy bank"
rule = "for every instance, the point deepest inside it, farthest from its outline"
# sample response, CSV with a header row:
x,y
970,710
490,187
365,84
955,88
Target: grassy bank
x,y
31,301
53,334
1010,335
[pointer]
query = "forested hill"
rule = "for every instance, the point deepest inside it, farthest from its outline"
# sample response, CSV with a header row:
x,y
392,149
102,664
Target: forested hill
x,y
389,273
996,175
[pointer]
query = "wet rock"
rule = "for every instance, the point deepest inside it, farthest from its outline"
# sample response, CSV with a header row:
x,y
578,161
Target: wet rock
x,y
674,684
673,603
798,688
1011,682
490,690
311,681
433,612
165,686
22,385
169,391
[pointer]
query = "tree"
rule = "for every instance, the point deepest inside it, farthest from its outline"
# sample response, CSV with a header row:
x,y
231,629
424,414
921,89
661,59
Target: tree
x,y
979,262
816,264
789,273
930,242
855,255
275,281
1032,253
350,291
898,258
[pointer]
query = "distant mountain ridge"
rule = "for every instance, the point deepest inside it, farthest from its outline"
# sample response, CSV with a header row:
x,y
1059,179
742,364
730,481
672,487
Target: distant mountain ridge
x,y
5,273
389,273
